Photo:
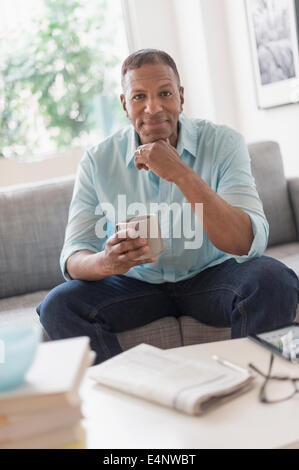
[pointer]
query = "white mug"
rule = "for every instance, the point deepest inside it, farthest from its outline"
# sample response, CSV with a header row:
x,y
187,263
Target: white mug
x,y
148,227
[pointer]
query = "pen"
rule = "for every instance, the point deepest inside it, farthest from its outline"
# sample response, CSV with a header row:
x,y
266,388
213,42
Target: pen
x,y
226,363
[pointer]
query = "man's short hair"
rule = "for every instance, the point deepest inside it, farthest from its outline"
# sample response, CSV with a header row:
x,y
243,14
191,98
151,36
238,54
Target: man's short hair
x,y
147,56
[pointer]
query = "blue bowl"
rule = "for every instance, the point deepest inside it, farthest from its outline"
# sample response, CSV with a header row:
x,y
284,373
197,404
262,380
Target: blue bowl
x,y
18,345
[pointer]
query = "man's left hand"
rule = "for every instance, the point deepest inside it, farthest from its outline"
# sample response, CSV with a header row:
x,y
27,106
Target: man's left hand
x,y
161,158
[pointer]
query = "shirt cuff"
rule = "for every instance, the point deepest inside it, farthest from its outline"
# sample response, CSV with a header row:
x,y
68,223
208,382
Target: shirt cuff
x,y
69,251
260,231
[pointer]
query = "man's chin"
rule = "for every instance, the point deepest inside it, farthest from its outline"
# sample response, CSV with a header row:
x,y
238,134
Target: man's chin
x,y
153,137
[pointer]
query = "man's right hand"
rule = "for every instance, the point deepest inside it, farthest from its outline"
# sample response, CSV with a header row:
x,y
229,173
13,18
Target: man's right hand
x,y
121,251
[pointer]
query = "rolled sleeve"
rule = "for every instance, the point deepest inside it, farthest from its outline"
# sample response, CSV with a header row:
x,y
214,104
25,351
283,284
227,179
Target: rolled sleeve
x,y
237,187
260,231
83,216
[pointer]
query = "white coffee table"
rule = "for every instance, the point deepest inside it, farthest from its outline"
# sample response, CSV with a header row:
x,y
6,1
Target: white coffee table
x,y
114,420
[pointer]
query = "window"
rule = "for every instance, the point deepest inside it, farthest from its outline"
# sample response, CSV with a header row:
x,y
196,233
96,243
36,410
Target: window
x,y
59,74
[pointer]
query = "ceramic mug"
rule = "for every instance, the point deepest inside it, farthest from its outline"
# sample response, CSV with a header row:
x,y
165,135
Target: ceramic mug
x,y
146,226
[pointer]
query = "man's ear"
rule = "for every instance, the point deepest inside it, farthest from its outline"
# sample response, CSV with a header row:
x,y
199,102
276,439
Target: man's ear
x,y
123,102
182,99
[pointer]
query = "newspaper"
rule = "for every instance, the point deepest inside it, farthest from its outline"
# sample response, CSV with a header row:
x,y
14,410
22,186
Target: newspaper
x,y
189,386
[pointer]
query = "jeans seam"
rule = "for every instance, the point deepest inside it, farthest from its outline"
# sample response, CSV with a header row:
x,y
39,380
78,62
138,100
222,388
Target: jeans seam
x,y
244,319
95,309
102,341
181,331
223,287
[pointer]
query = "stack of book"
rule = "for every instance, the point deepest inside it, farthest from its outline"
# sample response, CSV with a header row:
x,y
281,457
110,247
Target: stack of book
x,y
45,411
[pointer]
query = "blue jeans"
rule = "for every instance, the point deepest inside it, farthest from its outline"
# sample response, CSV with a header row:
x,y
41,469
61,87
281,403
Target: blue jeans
x,y
250,297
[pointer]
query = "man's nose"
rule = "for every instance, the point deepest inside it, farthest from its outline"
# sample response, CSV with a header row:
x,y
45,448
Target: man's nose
x,y
153,106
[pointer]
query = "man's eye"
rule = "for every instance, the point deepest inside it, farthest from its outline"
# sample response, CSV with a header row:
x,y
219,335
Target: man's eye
x,y
165,93
138,97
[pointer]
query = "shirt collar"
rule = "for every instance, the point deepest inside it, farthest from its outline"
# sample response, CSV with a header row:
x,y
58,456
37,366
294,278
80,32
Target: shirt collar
x,y
187,139
133,144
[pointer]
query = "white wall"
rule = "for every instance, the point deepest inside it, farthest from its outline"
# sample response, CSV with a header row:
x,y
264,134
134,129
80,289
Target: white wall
x,y
215,30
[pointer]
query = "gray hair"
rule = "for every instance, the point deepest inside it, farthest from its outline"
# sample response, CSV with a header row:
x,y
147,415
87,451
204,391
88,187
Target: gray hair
x,y
147,56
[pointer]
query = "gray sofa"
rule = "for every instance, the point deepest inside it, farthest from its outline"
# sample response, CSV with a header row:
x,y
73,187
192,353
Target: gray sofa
x,y
32,225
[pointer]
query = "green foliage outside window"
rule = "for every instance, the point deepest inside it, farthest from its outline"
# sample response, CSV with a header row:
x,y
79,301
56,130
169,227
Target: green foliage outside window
x,y
56,81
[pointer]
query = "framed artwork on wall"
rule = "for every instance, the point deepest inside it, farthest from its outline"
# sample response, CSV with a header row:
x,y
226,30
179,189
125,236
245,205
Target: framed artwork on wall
x,y
273,30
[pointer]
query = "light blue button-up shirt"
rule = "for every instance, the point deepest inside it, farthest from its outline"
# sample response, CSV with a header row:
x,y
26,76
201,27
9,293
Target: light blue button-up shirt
x,y
108,184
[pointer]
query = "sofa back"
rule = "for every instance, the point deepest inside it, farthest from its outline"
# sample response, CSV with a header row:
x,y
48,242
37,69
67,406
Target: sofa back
x,y
32,227
272,186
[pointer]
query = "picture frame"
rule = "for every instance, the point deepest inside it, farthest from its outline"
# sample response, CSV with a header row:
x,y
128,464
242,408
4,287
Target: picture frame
x,y
273,27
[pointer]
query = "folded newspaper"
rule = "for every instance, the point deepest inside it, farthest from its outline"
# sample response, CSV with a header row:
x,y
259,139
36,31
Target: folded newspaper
x,y
189,386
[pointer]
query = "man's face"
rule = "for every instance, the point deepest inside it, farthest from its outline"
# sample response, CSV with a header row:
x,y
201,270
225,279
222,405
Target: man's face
x,y
153,102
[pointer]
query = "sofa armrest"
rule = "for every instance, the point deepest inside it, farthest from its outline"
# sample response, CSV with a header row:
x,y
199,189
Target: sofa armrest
x,y
293,188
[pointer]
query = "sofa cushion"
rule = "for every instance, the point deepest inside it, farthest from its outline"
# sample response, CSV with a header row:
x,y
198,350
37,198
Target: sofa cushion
x,y
164,333
21,309
194,332
267,169
32,228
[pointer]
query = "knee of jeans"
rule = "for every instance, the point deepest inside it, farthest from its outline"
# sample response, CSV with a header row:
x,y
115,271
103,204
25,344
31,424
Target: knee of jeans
x,y
51,307
278,283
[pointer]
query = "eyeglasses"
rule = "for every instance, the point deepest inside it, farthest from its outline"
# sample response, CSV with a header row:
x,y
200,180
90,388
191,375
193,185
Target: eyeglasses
x,y
276,388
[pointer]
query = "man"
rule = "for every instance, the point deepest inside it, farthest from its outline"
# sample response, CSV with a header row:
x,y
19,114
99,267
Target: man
x,y
164,157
